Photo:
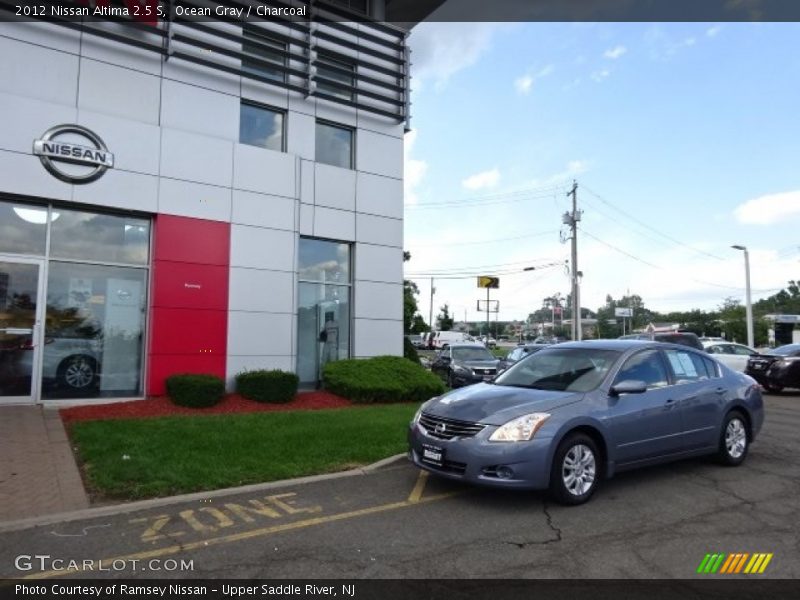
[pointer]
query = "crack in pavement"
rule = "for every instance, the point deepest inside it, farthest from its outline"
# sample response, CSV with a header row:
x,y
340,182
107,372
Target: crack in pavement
x,y
550,525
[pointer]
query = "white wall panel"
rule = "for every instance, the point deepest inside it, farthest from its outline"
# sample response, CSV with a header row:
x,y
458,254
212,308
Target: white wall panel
x,y
334,187
198,110
306,226
263,171
36,72
306,181
379,154
254,290
301,131
335,113
378,300
334,224
121,189
24,174
109,51
263,93
49,35
136,146
259,334
379,263
379,230
196,200
262,248
380,124
262,210
377,338
114,90
24,119
196,157
379,195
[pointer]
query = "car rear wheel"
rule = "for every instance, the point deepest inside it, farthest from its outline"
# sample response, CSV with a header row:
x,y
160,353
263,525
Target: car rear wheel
x,y
78,373
733,442
576,470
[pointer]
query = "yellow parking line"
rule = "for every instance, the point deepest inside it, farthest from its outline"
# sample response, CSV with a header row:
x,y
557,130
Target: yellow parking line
x,y
416,493
244,535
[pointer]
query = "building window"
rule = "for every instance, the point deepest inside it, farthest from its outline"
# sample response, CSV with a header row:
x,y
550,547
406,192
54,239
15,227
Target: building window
x,y
266,49
335,145
359,6
338,71
261,126
323,318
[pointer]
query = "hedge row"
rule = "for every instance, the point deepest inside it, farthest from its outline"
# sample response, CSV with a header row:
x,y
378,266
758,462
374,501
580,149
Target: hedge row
x,y
381,379
267,386
195,391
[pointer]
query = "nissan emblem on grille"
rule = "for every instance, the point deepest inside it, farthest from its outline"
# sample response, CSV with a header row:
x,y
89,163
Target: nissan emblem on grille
x,y
440,428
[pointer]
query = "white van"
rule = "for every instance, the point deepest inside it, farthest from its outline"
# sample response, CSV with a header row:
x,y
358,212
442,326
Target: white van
x,y
449,337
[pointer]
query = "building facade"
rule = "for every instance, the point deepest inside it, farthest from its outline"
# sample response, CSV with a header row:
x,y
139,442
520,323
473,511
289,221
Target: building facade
x,y
197,196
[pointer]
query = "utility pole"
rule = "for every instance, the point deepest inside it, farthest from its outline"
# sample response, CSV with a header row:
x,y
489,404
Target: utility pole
x,y
571,219
430,318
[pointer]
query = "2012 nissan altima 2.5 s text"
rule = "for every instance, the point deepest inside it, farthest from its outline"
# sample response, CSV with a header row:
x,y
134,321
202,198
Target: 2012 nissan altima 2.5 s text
x,y
573,414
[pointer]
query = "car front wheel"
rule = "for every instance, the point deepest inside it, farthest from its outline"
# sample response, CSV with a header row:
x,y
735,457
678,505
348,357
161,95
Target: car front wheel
x,y
576,470
78,373
733,442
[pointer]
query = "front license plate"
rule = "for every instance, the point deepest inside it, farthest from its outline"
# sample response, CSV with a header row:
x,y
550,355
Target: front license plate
x,y
433,455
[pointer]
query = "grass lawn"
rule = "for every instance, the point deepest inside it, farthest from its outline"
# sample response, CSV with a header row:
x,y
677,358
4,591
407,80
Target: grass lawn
x,y
144,458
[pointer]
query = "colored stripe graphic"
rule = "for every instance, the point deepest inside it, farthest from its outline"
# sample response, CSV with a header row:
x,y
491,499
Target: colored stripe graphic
x,y
738,562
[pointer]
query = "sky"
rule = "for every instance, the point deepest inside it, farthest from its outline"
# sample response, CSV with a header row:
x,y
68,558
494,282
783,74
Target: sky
x,y
682,138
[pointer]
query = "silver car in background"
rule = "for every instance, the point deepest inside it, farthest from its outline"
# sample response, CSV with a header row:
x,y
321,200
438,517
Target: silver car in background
x,y
573,414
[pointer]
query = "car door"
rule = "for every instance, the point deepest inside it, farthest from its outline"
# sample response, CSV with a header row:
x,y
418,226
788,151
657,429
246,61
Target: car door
x,y
647,425
441,364
701,395
739,357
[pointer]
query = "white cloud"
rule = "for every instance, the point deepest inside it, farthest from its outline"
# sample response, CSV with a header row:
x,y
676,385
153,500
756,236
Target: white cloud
x,y
615,53
413,170
482,180
713,31
600,75
440,50
769,209
523,84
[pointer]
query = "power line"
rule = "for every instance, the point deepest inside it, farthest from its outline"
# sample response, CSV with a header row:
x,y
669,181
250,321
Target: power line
x,y
536,263
504,198
470,274
492,241
649,227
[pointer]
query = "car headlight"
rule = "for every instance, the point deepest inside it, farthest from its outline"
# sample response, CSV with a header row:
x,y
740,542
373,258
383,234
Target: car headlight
x,y
418,414
520,429
462,370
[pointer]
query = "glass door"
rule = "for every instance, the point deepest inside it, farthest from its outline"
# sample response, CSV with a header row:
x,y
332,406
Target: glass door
x,y
20,294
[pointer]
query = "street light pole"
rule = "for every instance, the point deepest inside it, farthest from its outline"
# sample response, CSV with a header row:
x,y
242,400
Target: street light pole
x,y
749,304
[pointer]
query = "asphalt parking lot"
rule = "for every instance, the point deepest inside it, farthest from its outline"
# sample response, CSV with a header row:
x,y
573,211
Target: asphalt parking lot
x,y
396,522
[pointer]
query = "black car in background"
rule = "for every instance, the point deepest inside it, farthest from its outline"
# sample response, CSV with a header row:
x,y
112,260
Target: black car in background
x,y
518,354
464,364
776,369
684,338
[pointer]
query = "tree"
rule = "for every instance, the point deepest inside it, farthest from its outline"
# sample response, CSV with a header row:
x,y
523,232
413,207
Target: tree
x,y
412,320
444,319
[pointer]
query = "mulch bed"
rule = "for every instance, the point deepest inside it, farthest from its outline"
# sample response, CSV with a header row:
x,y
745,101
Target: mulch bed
x,y
162,406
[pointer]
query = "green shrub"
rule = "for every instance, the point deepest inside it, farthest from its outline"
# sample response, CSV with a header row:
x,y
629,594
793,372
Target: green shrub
x,y
195,391
381,379
409,351
267,386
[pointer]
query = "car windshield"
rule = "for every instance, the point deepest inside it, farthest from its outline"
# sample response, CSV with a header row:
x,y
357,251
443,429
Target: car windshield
x,y
787,350
476,353
562,369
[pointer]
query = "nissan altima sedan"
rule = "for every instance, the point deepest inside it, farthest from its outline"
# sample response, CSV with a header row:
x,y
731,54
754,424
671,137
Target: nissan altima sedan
x,y
573,414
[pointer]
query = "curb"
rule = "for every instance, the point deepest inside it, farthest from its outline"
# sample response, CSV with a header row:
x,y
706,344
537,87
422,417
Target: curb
x,y
128,507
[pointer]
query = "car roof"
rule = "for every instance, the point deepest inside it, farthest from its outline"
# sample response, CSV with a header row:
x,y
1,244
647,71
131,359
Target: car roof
x,y
620,345
466,345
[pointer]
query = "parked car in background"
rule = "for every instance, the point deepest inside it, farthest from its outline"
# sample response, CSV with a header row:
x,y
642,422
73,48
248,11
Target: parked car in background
x,y
445,338
518,354
733,355
464,364
572,414
684,338
776,369
416,340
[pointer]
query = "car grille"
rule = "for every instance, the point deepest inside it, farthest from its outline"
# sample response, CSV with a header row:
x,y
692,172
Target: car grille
x,y
485,371
447,429
759,364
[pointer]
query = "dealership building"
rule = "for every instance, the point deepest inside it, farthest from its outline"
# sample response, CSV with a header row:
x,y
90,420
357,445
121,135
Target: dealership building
x,y
198,196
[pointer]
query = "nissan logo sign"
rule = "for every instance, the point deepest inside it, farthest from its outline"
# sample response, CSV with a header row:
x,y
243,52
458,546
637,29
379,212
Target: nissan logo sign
x,y
54,152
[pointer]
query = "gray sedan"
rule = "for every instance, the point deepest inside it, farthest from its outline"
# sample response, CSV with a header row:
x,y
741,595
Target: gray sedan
x,y
572,414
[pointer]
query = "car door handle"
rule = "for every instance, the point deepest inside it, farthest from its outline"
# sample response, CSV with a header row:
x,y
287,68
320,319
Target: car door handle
x,y
669,404
720,390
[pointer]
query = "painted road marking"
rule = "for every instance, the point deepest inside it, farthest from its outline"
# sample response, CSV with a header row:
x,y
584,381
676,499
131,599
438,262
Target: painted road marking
x,y
416,493
210,519
245,535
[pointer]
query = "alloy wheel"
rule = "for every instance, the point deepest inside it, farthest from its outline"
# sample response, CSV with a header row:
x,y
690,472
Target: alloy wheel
x,y
735,438
579,470
79,373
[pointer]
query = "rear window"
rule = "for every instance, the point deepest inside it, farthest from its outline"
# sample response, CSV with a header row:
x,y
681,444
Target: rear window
x,y
684,339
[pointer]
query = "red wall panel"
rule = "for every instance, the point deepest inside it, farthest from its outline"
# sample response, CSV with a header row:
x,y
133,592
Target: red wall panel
x,y
187,331
199,241
190,285
189,306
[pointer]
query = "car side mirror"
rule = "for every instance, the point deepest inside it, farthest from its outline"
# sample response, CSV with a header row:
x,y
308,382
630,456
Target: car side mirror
x,y
629,386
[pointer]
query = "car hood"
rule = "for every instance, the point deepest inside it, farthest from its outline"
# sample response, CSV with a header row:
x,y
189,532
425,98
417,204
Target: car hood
x,y
497,404
478,364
